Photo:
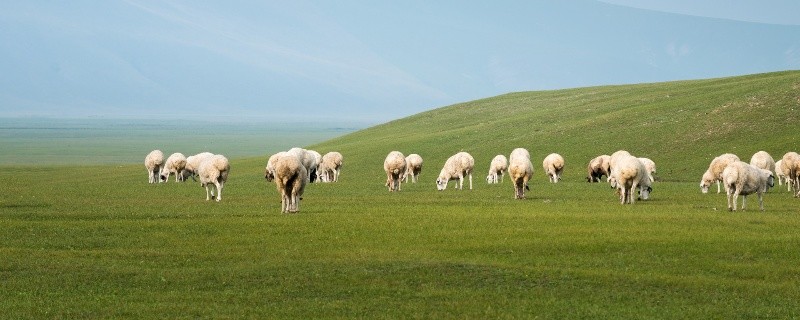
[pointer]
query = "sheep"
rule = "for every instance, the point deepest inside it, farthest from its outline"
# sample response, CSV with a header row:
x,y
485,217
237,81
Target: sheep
x,y
154,161
520,170
307,158
413,167
193,163
614,157
214,171
496,168
626,175
714,172
781,175
650,167
763,160
553,166
790,166
312,173
597,168
741,178
456,167
395,166
174,164
330,167
289,174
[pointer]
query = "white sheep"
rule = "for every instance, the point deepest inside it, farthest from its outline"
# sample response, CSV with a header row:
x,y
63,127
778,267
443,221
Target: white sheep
x,y
626,175
763,160
413,167
175,164
213,173
553,166
741,178
154,161
290,178
312,172
714,171
457,166
597,168
520,170
497,167
781,175
790,165
330,167
395,167
193,163
650,166
307,158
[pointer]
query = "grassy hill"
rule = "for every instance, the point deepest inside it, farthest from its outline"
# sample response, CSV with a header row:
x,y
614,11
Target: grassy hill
x,y
99,242
680,125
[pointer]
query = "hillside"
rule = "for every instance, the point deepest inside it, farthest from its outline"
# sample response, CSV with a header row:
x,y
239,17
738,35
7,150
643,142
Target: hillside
x,y
681,125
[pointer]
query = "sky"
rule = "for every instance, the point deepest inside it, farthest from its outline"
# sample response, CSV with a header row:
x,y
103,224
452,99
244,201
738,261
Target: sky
x,y
371,61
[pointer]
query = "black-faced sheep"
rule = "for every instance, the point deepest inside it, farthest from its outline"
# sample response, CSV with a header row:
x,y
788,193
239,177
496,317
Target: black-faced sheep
x,y
213,173
626,175
395,167
597,168
413,167
457,166
193,163
154,161
553,166
290,179
175,164
330,167
790,165
497,167
741,178
714,171
520,170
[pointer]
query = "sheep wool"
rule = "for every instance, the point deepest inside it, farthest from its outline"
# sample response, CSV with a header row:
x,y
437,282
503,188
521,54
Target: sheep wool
x,y
290,179
175,165
714,172
520,170
626,175
597,168
790,165
193,163
330,167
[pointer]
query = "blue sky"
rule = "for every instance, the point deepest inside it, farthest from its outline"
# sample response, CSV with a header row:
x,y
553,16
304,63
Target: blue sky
x,y
367,61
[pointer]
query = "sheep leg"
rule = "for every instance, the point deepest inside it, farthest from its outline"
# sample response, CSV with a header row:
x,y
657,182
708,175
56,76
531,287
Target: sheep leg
x,y
470,181
219,190
718,189
207,192
735,198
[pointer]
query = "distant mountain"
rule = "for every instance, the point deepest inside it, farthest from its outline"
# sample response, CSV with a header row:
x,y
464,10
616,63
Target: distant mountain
x,y
340,59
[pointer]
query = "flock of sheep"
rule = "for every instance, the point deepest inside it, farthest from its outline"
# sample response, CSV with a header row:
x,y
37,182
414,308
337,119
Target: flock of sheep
x,y
293,169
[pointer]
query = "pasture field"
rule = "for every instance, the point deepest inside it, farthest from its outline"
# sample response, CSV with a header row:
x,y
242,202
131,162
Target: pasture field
x,y
97,241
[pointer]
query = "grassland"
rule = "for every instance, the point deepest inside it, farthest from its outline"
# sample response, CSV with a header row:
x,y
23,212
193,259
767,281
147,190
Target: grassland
x,y
99,242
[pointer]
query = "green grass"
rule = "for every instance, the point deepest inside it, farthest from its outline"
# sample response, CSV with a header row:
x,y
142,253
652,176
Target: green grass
x,y
99,242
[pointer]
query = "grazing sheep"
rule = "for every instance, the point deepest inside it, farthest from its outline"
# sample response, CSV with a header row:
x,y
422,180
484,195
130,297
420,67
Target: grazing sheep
x,y
497,167
741,178
597,168
312,172
193,163
413,167
782,176
395,167
290,178
456,167
626,175
714,172
214,171
650,166
175,164
553,166
154,161
308,158
763,160
616,155
330,167
790,165
520,170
